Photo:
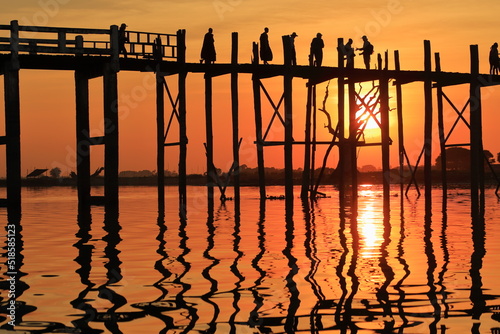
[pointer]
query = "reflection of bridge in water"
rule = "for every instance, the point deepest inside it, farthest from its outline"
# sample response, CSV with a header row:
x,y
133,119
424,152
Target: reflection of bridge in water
x,y
313,273
92,53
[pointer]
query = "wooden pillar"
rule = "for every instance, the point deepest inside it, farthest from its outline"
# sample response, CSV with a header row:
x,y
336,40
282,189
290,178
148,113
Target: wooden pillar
x,y
287,88
306,174
13,125
111,137
160,138
440,117
235,116
258,123
384,121
399,110
428,127
476,133
341,122
353,141
82,137
209,142
183,140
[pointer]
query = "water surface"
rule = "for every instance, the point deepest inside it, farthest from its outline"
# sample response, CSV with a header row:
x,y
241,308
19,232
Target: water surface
x,y
256,269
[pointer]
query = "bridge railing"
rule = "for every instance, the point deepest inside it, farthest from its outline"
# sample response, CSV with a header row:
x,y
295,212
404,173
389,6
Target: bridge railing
x,y
38,40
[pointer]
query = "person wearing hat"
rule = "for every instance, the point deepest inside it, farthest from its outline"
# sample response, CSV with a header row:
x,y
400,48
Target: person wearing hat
x,y
316,55
122,38
367,51
292,48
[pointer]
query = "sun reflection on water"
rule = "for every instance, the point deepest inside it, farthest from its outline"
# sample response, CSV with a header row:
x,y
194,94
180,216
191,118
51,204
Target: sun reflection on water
x,y
370,223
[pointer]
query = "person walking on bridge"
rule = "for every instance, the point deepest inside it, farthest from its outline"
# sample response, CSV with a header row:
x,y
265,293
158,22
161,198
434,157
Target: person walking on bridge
x,y
208,49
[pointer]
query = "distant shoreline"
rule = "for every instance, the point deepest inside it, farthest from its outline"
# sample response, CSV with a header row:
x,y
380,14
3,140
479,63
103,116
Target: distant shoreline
x,y
275,178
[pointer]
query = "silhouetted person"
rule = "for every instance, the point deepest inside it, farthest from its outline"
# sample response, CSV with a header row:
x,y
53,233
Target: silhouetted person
x,y
494,60
293,54
157,49
349,54
316,56
265,50
367,51
208,48
122,38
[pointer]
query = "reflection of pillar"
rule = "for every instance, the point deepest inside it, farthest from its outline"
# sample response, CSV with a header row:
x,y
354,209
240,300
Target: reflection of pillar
x,y
84,260
293,290
207,297
431,269
258,299
477,297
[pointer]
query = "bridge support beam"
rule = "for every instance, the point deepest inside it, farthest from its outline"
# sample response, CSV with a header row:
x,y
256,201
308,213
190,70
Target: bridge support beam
x,y
476,135
258,125
111,162
12,137
428,128
82,138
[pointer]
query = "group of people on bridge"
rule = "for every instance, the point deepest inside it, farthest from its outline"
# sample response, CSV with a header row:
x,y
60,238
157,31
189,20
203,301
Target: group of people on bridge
x,y
208,54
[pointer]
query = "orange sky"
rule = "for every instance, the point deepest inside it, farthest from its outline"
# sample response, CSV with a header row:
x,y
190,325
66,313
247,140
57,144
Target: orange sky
x,y
47,98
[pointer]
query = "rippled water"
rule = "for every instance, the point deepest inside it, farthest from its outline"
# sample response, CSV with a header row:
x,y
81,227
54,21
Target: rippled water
x,y
254,270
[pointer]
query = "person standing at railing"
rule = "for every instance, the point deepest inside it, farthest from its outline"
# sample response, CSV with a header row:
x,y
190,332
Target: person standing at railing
x,y
122,38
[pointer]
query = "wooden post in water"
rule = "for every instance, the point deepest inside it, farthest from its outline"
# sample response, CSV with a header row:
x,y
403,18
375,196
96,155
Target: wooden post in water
x,y
258,124
13,125
209,143
235,116
476,133
160,140
384,121
306,174
440,118
287,88
428,127
399,108
183,140
341,122
353,141
111,137
82,137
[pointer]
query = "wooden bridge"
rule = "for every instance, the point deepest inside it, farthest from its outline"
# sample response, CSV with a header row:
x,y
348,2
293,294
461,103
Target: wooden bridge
x,y
92,53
